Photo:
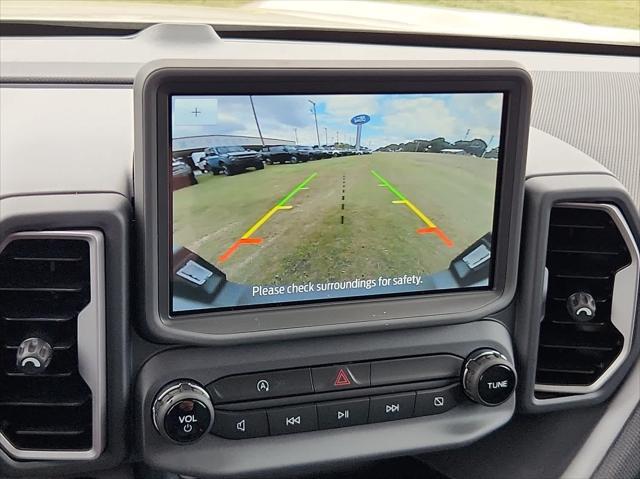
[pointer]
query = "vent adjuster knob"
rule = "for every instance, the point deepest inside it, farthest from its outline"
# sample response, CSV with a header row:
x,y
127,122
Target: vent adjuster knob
x,y
33,356
581,306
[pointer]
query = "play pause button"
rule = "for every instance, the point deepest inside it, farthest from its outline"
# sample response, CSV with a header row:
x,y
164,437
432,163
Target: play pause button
x,y
350,412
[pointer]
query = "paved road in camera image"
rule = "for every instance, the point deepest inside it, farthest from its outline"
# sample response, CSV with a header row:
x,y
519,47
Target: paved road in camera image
x,y
358,216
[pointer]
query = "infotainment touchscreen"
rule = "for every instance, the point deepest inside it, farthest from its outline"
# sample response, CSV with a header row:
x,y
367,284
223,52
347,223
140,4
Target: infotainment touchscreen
x,y
284,199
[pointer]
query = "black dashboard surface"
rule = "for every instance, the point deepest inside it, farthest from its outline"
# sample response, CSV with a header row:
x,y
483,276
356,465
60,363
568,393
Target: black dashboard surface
x,y
67,131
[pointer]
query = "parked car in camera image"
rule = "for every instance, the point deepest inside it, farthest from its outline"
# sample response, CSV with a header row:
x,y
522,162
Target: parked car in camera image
x,y
231,160
341,152
282,154
308,153
332,152
197,158
183,175
322,152
202,164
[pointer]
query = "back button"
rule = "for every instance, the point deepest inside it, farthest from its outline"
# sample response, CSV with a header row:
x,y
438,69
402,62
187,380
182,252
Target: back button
x,y
241,424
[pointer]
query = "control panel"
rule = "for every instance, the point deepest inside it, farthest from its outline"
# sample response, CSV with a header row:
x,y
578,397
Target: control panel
x,y
257,409
322,397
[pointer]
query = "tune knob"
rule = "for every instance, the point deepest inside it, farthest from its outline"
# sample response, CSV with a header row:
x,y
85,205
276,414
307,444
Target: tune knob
x,y
182,411
581,306
488,377
33,356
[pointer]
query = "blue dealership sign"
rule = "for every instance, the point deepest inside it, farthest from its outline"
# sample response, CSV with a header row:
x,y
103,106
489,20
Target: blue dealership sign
x,y
360,119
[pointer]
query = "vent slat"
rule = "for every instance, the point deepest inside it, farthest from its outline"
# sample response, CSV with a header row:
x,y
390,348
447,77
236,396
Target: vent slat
x,y
42,375
584,252
49,432
41,318
577,226
56,347
567,371
579,347
43,401
42,289
582,276
44,284
573,323
40,307
564,299
63,259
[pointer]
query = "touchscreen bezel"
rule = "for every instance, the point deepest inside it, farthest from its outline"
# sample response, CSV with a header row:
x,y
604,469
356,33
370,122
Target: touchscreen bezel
x,y
154,89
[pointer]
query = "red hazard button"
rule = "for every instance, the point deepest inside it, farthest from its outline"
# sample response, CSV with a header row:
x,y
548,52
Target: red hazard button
x,y
342,376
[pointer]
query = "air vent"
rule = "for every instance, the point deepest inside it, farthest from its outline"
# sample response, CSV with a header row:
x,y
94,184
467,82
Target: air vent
x,y
47,293
590,255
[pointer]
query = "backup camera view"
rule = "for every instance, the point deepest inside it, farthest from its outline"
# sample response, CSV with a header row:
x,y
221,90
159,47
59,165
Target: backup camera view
x,y
295,198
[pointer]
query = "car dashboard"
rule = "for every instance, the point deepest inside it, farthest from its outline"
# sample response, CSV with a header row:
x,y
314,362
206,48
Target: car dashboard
x,y
129,345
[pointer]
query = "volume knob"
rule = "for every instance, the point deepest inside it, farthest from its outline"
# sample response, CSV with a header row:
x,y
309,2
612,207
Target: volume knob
x,y
182,411
488,377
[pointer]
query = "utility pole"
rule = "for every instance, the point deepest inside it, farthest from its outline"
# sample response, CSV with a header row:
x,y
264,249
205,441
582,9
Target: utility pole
x,y
295,132
488,146
326,137
256,118
337,137
315,116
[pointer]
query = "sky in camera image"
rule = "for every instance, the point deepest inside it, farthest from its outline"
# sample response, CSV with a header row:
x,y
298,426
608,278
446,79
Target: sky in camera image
x,y
395,118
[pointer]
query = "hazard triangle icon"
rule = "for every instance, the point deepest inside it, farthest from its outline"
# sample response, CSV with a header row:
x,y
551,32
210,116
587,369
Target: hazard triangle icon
x,y
342,379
